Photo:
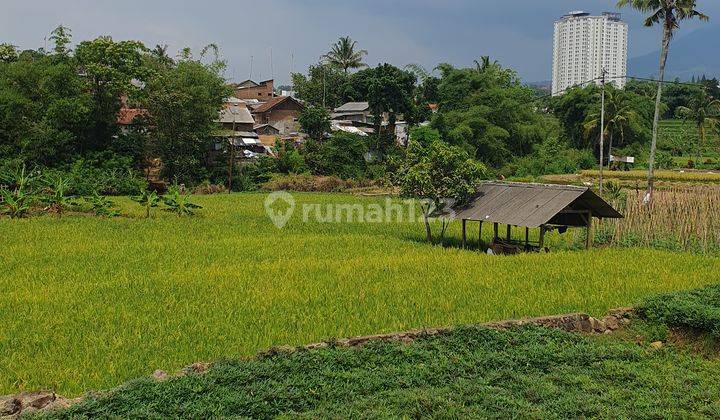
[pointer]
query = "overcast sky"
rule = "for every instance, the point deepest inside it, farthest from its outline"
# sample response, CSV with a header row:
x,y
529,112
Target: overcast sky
x,y
518,33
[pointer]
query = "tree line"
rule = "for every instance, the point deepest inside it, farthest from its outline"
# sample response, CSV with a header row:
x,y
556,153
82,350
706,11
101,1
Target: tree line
x,y
58,110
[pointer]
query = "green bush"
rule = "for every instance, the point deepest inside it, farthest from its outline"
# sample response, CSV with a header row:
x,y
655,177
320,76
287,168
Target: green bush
x,y
342,155
551,157
305,183
697,309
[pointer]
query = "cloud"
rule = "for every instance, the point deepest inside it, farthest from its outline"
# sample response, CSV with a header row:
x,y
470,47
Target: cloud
x,y
517,32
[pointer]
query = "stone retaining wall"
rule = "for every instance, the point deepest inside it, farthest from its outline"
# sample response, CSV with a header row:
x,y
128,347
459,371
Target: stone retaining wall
x,y
12,406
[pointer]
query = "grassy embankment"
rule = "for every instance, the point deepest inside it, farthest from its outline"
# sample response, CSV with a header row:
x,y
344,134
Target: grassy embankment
x,y
467,372
88,303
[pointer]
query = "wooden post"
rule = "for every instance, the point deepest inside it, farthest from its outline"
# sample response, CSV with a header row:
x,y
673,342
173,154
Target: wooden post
x,y
527,237
480,236
495,231
542,236
508,233
464,236
588,239
231,163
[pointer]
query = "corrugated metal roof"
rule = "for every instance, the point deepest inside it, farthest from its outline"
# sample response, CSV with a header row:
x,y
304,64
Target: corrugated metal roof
x,y
353,107
532,205
236,114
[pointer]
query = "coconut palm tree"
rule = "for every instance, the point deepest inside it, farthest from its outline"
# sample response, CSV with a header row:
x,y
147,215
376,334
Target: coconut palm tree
x,y
343,55
485,63
622,116
704,112
669,13
619,115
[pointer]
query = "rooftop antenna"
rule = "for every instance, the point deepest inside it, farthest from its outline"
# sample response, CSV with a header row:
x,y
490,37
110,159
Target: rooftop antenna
x,y
292,65
251,66
272,70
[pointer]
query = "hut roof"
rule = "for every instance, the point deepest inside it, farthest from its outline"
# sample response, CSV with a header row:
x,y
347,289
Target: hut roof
x,y
532,205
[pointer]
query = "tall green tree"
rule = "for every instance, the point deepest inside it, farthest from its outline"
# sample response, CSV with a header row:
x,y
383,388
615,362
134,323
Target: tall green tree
x,y
315,122
112,69
343,55
388,90
487,112
8,53
620,117
668,13
182,103
61,37
324,86
45,111
704,112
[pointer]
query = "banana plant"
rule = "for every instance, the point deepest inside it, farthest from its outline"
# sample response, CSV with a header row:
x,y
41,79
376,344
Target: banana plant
x,y
56,196
102,206
179,203
17,195
147,199
15,204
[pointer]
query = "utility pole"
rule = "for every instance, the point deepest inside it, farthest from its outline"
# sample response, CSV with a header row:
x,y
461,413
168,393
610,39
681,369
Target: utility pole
x,y
231,158
602,129
323,67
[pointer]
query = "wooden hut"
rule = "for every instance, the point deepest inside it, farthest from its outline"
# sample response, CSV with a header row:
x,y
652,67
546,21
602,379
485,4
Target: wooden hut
x,y
542,206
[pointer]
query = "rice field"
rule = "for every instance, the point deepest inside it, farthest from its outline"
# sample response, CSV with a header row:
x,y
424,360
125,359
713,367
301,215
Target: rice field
x,y
679,218
660,175
88,303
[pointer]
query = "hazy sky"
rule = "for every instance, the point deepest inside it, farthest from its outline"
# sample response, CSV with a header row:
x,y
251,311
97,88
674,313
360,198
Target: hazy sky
x,y
518,33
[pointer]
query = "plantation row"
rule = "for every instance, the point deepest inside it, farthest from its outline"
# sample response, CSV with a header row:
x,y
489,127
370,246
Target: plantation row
x,y
33,193
639,175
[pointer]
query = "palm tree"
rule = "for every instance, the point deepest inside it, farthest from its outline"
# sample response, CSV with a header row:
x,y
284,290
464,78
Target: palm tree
x,y
704,111
669,13
485,63
343,55
622,115
619,115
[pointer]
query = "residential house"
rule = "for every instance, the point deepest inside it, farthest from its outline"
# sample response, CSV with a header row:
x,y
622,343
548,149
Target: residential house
x,y
236,116
266,130
353,111
128,119
282,112
253,90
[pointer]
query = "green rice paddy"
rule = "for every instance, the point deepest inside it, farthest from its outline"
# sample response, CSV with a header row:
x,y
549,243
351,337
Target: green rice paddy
x,y
88,303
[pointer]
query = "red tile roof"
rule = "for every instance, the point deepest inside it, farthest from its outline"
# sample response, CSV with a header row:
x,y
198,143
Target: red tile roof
x,y
273,102
127,116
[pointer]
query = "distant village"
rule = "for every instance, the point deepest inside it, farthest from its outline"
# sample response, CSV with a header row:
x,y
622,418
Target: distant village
x,y
258,114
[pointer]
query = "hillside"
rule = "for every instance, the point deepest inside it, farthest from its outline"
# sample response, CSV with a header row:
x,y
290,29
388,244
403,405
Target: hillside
x,y
691,55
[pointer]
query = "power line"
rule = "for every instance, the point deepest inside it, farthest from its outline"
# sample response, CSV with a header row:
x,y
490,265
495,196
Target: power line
x,y
674,82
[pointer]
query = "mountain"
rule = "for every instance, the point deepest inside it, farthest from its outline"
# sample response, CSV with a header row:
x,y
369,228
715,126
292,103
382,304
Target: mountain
x,y
694,54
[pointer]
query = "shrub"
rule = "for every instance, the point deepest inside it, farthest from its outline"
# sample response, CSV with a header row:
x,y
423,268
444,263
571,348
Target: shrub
x,y
15,204
101,206
55,194
179,203
17,191
305,183
551,157
207,188
697,309
342,155
663,160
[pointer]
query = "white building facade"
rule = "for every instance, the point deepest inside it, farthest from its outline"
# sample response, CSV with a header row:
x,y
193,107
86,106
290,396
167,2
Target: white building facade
x,y
584,45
